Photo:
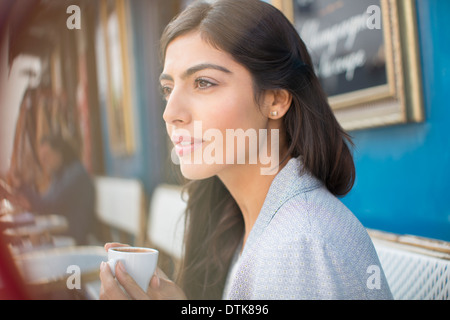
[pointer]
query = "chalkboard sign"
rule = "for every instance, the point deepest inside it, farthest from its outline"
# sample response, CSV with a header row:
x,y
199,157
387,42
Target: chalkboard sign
x,y
366,56
346,42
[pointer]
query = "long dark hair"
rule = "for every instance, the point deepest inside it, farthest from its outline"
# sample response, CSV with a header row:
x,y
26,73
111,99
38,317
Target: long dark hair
x,y
259,37
63,147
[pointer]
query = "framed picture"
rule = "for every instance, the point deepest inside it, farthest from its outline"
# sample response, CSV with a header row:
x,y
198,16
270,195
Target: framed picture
x,y
366,56
119,98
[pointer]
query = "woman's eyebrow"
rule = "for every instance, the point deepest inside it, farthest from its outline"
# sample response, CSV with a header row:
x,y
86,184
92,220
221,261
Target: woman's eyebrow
x,y
203,66
195,69
165,76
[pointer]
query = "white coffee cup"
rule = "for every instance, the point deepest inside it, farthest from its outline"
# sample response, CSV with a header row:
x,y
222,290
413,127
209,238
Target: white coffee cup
x,y
140,263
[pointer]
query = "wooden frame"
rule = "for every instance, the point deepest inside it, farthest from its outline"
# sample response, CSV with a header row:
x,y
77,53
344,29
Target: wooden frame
x,y
113,19
397,97
429,247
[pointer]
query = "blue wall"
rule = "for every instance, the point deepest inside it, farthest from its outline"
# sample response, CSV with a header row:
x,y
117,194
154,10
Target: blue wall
x,y
403,172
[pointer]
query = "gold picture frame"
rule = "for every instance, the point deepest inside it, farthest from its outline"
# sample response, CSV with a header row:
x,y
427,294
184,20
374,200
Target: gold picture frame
x,y
113,19
397,95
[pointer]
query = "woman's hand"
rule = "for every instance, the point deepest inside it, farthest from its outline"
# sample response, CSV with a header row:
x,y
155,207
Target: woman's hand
x,y
22,201
160,288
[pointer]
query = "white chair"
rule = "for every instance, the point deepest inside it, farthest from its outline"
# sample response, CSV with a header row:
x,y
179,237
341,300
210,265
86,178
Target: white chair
x,y
415,268
121,205
165,230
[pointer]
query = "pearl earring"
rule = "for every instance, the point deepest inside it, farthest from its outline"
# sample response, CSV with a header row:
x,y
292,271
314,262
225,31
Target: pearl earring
x,y
274,113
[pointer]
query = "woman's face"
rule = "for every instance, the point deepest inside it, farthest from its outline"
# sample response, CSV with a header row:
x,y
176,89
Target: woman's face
x,y
208,93
51,160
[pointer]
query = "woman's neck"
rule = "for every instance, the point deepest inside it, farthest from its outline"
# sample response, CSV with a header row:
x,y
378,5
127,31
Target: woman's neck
x,y
249,189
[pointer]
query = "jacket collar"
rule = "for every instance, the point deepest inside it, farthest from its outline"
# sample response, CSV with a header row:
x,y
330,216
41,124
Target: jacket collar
x,y
292,180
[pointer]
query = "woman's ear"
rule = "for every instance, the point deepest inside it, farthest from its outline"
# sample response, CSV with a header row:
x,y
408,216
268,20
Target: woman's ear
x,y
278,102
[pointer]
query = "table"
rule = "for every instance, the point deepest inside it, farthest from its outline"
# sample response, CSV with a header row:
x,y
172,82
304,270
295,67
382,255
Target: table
x,y
48,271
25,231
38,225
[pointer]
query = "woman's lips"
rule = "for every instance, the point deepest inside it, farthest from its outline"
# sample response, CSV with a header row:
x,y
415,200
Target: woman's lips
x,y
186,145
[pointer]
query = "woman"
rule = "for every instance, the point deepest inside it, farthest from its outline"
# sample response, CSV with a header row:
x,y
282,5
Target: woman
x,y
241,65
71,192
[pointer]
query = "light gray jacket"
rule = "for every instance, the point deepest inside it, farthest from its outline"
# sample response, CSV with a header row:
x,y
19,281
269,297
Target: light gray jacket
x,y
306,244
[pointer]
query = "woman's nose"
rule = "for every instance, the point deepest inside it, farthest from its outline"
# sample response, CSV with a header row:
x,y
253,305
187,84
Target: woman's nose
x,y
177,110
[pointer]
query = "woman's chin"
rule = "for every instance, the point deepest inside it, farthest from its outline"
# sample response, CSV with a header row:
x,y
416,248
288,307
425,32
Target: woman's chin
x,y
198,171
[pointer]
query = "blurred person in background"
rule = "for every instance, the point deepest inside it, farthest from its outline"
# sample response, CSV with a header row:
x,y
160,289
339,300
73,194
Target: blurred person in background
x,y
71,192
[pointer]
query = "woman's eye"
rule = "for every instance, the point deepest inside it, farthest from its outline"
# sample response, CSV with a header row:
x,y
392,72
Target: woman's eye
x,y
203,84
166,91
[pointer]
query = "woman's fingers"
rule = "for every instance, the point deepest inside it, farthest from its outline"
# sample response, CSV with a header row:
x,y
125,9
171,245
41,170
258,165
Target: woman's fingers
x,y
109,289
114,244
161,288
128,283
